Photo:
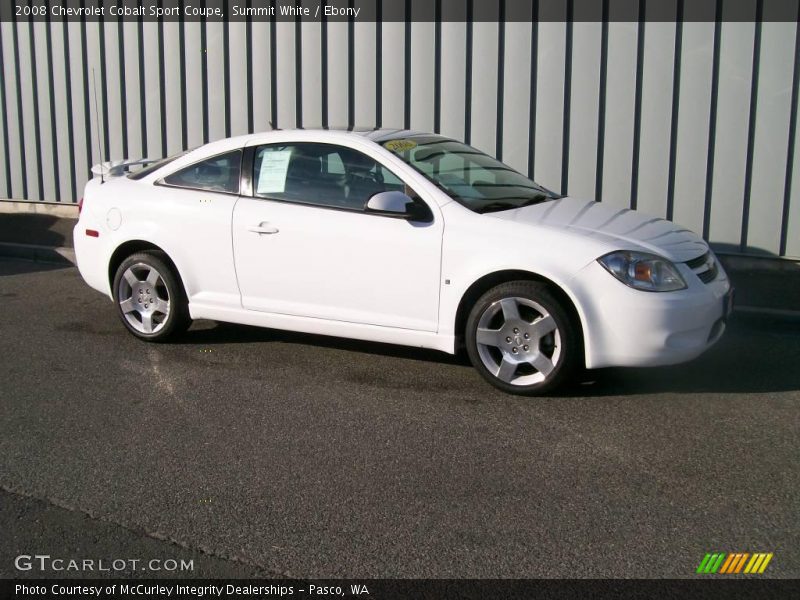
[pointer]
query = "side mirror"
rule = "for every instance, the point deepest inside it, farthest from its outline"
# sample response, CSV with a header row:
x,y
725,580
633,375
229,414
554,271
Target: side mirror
x,y
398,205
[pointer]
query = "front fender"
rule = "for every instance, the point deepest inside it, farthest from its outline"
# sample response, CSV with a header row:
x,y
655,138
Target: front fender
x,y
479,247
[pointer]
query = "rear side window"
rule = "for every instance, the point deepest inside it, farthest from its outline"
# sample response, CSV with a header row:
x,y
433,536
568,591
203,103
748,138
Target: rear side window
x,y
145,171
219,173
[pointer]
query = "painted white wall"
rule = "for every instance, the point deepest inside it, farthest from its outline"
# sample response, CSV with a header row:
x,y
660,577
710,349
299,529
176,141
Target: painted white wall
x,y
620,104
692,143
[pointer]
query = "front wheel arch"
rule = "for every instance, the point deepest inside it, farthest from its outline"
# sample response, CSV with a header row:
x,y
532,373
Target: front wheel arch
x,y
523,340
490,280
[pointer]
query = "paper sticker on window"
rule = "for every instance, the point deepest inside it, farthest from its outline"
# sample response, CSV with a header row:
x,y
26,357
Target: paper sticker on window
x,y
272,176
400,145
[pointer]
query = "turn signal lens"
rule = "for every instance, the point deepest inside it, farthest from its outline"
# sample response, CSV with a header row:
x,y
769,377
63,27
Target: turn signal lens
x,y
643,271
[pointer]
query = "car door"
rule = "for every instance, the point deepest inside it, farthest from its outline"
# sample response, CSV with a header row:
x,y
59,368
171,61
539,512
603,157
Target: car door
x,y
304,246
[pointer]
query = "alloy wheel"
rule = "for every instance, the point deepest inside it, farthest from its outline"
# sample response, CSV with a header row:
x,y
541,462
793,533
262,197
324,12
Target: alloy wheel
x,y
144,298
518,341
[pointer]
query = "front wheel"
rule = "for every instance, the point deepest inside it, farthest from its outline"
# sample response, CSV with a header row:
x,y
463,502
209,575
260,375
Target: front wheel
x,y
150,298
521,339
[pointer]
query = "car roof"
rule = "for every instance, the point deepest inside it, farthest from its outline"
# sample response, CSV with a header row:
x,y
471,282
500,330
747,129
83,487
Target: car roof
x,y
330,134
376,134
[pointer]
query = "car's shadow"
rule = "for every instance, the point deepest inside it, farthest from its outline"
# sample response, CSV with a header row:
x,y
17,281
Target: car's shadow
x,y
758,354
16,266
210,333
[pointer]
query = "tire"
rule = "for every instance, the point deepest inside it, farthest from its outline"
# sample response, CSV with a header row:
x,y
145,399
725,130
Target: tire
x,y
522,340
150,298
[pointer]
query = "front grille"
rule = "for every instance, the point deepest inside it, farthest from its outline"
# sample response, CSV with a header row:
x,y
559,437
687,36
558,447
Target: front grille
x,y
705,267
697,262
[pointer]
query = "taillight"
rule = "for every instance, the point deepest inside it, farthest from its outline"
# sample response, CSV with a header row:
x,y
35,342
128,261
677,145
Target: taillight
x,y
80,205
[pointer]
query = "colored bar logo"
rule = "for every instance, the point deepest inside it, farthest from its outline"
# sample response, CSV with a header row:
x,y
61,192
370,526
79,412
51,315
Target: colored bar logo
x,y
734,563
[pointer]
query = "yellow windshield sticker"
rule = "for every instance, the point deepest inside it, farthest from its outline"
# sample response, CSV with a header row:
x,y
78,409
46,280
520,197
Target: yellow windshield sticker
x,y
400,145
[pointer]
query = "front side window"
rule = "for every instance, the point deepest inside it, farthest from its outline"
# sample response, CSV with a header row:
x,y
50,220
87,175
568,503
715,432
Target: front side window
x,y
320,174
216,174
474,179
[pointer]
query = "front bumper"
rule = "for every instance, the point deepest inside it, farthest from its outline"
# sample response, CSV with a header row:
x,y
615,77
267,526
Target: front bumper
x,y
628,327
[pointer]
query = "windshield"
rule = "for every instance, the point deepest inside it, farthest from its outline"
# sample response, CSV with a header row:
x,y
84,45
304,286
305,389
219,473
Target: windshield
x,y
467,175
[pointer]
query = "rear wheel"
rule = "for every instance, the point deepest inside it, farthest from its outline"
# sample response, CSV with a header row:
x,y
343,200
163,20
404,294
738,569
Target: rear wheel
x,y
150,298
521,340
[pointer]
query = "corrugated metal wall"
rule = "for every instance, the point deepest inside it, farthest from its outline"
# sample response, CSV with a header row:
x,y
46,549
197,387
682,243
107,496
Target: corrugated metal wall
x,y
691,121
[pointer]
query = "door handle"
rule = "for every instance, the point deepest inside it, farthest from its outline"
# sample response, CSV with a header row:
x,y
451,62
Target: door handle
x,y
264,228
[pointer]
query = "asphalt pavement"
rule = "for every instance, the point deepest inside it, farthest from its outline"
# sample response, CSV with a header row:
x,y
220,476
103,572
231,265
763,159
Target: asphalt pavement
x,y
276,454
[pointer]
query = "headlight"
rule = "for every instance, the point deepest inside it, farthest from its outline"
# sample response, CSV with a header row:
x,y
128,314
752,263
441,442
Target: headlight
x,y
643,271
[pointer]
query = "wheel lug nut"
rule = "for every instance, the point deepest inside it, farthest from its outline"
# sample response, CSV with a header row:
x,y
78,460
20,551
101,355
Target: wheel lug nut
x,y
514,350
527,336
526,348
508,339
516,330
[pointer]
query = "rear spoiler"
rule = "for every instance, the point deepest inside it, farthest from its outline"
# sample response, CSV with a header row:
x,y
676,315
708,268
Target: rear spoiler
x,y
116,168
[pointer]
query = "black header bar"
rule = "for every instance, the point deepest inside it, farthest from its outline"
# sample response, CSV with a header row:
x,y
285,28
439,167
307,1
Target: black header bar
x,y
390,10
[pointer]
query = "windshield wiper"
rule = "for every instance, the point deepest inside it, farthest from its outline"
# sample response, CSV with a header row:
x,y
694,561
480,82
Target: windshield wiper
x,y
498,206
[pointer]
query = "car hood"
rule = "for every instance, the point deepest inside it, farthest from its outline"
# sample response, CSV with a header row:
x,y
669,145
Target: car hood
x,y
621,228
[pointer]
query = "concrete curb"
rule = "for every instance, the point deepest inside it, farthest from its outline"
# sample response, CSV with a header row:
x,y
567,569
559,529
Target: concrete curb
x,y
63,210
49,254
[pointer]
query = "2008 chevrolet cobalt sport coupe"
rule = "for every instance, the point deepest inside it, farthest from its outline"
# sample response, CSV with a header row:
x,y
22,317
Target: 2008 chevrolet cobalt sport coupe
x,y
399,237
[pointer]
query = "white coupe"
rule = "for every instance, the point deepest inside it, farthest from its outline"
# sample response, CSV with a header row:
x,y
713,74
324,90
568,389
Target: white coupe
x,y
400,237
